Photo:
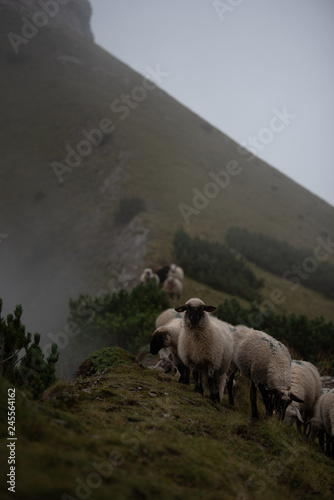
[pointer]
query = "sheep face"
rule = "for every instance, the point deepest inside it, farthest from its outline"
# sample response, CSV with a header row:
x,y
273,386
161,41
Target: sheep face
x,y
281,401
194,312
148,273
159,339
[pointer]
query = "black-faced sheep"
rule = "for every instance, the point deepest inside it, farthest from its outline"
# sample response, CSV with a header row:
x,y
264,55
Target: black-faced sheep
x,y
162,272
176,272
267,362
148,275
165,338
205,345
173,287
306,385
323,422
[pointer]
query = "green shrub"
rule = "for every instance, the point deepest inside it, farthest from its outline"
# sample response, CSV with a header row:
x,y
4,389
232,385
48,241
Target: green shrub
x,y
33,371
215,265
107,357
278,257
124,319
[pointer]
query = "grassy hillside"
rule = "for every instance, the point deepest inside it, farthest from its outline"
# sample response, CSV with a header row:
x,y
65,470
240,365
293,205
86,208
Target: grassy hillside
x,y
62,239
131,432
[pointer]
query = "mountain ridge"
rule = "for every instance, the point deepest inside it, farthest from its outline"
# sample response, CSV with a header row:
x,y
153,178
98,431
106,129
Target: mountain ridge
x,y
62,239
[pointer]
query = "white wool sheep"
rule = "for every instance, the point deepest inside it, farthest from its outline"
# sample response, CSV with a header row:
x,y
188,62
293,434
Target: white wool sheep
x,y
323,422
165,338
166,316
173,287
205,345
148,275
176,272
267,362
306,385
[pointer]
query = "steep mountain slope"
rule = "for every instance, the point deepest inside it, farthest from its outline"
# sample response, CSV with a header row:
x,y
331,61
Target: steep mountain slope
x,y
59,89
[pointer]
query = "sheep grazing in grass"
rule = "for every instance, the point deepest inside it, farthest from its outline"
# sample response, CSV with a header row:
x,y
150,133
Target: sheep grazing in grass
x,y
306,385
322,423
173,287
148,275
267,362
205,345
176,272
165,341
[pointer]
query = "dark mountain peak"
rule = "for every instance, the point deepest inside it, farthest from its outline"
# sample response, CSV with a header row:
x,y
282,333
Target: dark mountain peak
x,y
73,14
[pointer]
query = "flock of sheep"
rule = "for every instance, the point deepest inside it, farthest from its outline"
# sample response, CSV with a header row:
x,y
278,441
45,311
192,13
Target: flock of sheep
x,y
169,277
214,351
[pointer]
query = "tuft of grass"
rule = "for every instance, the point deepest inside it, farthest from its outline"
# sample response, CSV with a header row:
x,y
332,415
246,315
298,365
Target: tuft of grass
x,y
107,357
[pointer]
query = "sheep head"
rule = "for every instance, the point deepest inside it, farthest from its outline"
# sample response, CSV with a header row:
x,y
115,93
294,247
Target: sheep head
x,y
194,310
159,340
281,400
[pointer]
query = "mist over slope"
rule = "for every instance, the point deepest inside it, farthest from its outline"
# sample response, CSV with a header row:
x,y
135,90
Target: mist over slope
x,y
81,130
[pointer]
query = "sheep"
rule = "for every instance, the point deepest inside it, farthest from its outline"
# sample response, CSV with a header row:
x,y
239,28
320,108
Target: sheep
x,y
176,272
306,385
267,362
161,272
148,275
166,316
165,338
205,345
323,422
173,287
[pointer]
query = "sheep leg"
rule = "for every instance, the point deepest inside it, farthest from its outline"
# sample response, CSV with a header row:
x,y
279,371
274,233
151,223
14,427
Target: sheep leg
x,y
222,385
266,399
197,381
184,373
213,383
253,391
229,388
207,385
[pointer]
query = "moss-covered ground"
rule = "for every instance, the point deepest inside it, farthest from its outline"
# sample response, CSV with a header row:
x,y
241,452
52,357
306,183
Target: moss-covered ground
x,y
131,432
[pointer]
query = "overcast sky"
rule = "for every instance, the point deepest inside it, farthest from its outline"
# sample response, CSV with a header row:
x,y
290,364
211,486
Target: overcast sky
x,y
239,64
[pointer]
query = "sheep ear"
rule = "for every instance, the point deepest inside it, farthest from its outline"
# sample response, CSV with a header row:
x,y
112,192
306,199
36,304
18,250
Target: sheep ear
x,y
209,309
180,309
299,416
293,397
